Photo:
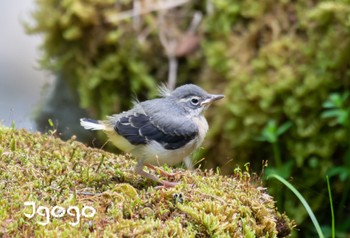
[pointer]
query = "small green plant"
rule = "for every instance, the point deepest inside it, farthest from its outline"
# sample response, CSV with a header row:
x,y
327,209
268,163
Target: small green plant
x,y
302,200
335,107
53,129
271,133
343,173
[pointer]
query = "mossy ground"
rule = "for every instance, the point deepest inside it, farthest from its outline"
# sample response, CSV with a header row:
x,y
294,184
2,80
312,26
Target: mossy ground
x,y
45,170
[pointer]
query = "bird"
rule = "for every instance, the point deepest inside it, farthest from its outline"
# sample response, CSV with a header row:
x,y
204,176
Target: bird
x,y
164,130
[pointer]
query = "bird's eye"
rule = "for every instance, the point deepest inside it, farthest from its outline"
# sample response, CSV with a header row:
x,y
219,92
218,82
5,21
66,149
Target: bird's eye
x,y
195,101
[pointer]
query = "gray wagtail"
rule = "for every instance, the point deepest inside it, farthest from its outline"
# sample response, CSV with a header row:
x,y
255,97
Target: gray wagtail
x,y
164,130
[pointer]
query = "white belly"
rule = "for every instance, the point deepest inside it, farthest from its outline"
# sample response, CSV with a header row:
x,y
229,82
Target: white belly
x,y
155,154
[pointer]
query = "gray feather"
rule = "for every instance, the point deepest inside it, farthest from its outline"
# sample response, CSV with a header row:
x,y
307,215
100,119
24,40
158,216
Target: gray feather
x,y
169,127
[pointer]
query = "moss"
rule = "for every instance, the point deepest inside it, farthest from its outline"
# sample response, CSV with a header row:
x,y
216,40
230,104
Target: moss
x,y
43,169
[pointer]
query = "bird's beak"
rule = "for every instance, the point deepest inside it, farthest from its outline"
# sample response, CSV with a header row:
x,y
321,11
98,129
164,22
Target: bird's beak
x,y
212,98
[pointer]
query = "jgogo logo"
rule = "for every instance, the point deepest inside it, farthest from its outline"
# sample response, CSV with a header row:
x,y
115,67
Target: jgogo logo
x,y
59,212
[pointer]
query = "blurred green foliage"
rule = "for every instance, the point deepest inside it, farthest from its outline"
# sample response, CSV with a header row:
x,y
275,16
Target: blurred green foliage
x,y
102,60
284,66
282,62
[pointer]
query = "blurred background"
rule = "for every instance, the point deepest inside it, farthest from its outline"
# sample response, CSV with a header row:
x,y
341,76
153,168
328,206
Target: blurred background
x,y
21,81
283,67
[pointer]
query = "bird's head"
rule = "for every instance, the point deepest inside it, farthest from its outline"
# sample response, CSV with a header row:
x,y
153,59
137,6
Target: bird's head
x,y
193,99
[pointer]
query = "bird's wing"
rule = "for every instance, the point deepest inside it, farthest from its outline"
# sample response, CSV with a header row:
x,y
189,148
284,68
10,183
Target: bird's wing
x,y
139,128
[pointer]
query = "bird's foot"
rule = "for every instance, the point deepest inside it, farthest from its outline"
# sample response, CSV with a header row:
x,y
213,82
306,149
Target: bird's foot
x,y
164,173
166,184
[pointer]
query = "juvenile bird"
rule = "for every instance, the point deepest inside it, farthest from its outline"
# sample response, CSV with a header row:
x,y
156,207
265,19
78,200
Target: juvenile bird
x,y
164,130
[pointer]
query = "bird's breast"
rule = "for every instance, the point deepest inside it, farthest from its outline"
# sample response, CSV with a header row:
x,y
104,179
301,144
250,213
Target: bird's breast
x,y
202,126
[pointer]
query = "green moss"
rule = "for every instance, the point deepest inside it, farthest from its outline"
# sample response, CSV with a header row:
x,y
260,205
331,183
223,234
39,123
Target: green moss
x,y
50,172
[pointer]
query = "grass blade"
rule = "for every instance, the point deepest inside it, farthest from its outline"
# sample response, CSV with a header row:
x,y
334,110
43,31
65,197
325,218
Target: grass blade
x,y
331,204
302,200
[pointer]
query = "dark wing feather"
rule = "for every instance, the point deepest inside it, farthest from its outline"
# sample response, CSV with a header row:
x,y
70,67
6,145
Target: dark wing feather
x,y
139,129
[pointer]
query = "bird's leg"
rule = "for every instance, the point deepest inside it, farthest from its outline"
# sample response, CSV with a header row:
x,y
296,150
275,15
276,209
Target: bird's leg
x,y
162,172
139,170
188,163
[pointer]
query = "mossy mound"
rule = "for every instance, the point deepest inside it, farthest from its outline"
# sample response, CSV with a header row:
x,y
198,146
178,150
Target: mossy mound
x,y
45,170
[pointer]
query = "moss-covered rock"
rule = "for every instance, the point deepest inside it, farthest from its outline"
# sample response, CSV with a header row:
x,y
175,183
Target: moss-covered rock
x,y
45,170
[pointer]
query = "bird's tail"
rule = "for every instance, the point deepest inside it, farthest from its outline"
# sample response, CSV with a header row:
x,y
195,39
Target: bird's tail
x,y
90,124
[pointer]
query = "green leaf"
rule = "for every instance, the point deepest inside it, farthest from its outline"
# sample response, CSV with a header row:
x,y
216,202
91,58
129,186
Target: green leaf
x,y
342,172
271,137
336,99
343,117
284,127
270,131
328,104
330,113
50,122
